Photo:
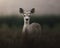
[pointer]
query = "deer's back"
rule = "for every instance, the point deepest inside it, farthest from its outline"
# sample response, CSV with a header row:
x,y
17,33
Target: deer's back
x,y
34,30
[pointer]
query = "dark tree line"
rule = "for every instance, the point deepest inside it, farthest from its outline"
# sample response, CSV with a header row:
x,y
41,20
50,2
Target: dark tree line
x,y
18,21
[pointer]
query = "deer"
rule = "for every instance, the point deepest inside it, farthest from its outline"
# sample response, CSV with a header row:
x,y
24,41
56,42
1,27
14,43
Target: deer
x,y
30,31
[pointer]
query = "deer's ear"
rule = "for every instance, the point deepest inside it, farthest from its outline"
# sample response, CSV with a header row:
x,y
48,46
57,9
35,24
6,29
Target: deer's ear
x,y
32,10
21,10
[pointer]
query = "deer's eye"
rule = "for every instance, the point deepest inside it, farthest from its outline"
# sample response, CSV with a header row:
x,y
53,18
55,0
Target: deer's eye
x,y
28,14
24,15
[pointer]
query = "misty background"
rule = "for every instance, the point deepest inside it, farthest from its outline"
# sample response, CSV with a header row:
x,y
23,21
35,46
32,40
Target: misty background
x,y
42,6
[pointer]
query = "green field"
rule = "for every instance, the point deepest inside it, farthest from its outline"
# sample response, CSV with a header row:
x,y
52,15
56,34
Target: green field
x,y
11,28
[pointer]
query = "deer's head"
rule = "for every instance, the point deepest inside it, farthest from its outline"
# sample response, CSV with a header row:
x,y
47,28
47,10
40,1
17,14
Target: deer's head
x,y
26,14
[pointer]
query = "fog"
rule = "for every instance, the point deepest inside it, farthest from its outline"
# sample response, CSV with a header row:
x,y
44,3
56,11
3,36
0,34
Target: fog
x,y
41,6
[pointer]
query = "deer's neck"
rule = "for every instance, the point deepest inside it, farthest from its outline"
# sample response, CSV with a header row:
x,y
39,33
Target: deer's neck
x,y
26,24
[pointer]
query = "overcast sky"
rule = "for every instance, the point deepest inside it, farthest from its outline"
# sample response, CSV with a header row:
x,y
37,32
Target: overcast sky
x,y
41,6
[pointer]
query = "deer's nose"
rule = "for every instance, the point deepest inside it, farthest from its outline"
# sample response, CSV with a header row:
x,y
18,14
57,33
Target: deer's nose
x,y
26,19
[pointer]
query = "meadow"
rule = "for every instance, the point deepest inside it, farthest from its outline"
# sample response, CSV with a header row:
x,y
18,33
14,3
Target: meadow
x,y
11,28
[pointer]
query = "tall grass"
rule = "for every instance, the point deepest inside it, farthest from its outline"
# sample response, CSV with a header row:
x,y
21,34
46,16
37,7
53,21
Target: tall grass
x,y
11,28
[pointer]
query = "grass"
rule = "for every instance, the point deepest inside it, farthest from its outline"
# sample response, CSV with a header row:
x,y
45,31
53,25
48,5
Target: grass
x,y
11,28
